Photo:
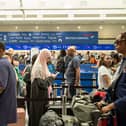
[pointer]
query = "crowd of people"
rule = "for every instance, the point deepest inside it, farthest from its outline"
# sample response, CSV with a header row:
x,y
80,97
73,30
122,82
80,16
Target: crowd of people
x,y
36,80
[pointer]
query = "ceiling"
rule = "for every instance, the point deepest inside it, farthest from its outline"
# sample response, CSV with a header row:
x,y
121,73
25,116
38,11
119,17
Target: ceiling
x,y
62,12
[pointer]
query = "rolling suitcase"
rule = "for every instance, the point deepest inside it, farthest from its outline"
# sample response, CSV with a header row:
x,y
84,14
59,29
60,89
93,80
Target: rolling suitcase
x,y
107,119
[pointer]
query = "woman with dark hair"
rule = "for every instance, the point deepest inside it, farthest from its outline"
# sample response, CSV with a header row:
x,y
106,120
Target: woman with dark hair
x,y
27,79
116,58
60,65
104,72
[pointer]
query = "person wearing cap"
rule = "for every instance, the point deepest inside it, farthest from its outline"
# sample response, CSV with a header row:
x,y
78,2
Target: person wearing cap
x,y
117,90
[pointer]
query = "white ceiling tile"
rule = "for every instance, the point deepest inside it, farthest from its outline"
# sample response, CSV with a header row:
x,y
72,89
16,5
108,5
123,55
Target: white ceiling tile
x,y
9,4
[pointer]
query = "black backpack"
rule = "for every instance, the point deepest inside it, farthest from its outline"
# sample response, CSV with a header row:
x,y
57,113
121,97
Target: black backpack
x,y
60,66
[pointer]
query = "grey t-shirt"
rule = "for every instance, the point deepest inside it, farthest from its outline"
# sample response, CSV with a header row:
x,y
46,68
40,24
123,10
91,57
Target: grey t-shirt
x,y
70,73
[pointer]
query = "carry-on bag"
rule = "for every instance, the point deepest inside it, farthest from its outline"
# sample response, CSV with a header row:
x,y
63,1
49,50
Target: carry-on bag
x,y
70,120
82,107
107,119
51,118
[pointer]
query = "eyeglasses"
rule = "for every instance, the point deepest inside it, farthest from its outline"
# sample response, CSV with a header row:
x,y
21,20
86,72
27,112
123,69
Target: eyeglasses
x,y
117,42
108,58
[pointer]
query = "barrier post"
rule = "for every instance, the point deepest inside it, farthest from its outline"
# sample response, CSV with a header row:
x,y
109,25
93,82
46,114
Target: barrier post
x,y
64,100
94,79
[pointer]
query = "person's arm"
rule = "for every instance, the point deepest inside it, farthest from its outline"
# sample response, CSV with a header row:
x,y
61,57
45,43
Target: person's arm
x,y
3,78
1,90
77,78
108,108
120,104
97,64
107,80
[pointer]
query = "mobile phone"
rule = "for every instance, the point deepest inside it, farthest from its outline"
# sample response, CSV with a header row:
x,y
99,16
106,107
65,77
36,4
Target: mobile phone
x,y
57,72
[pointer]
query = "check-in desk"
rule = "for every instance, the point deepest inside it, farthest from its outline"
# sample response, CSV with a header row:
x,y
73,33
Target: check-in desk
x,y
88,77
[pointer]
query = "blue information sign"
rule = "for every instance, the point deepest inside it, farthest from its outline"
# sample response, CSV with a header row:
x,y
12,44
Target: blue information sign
x,y
53,40
50,37
24,46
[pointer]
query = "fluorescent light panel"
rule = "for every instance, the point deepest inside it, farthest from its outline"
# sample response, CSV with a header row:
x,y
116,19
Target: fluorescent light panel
x,y
122,11
11,12
75,19
9,4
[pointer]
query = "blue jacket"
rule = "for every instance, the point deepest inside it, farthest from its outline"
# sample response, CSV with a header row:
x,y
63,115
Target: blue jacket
x,y
120,93
8,97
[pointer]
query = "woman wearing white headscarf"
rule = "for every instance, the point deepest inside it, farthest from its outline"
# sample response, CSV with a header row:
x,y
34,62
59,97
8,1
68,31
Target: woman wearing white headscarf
x,y
41,79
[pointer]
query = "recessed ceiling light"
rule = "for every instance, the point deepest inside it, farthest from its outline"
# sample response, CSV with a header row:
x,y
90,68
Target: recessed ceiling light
x,y
102,16
36,27
100,27
78,27
16,27
9,16
57,27
39,16
70,15
122,27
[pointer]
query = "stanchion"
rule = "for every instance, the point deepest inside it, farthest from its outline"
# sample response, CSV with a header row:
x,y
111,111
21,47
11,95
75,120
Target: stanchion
x,y
54,91
64,101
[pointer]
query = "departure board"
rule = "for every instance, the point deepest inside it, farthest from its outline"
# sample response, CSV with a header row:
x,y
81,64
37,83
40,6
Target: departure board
x,y
50,37
53,40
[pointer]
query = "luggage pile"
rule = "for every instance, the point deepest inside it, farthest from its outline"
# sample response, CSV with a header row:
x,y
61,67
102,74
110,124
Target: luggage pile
x,y
88,114
85,110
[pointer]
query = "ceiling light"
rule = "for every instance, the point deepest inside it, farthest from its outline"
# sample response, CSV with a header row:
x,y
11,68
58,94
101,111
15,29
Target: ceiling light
x,y
36,27
57,27
9,16
71,16
67,4
32,18
43,0
100,27
102,16
16,27
10,13
122,27
39,16
78,27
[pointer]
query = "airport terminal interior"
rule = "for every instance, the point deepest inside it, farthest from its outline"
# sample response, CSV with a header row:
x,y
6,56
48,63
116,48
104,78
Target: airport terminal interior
x,y
89,27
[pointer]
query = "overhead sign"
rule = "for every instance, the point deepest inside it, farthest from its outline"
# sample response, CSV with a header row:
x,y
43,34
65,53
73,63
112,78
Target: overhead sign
x,y
50,37
24,46
53,40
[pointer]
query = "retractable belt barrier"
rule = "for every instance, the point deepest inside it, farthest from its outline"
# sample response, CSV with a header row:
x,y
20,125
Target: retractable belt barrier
x,y
55,98
64,98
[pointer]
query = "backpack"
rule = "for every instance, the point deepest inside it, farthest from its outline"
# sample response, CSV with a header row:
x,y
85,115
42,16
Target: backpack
x,y
51,118
27,74
82,107
60,66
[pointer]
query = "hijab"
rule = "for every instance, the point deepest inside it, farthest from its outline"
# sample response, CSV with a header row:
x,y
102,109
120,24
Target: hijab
x,y
40,68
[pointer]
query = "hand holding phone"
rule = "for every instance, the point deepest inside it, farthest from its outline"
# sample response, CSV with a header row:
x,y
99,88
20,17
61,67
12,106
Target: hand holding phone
x,y
57,73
